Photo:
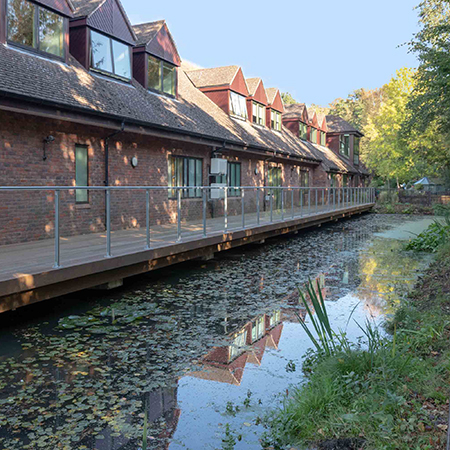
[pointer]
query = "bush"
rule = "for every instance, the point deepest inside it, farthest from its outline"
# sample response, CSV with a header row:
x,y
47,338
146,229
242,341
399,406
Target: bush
x,y
435,236
389,196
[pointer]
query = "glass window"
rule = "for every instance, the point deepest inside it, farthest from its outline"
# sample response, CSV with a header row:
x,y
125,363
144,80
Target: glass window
x,y
185,172
258,329
109,55
101,52
168,78
323,138
121,53
313,135
275,120
154,73
259,114
303,131
238,105
234,178
274,318
356,144
51,33
81,173
35,27
344,145
238,345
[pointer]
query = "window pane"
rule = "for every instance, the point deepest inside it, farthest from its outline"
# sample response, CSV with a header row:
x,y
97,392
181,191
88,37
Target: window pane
x,y
51,33
168,79
255,112
101,52
81,173
154,73
21,22
122,63
238,105
191,179
198,176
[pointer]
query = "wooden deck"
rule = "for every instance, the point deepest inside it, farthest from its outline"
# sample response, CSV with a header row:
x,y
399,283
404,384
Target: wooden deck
x,y
27,275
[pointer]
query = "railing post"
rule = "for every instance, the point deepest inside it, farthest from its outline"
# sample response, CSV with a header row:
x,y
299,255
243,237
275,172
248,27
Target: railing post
x,y
178,215
334,198
243,207
301,201
309,200
328,195
292,202
316,199
204,211
271,205
147,217
108,223
57,264
282,202
225,209
323,199
257,206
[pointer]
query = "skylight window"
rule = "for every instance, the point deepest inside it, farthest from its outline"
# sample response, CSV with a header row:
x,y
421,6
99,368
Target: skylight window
x,y
32,26
110,56
238,106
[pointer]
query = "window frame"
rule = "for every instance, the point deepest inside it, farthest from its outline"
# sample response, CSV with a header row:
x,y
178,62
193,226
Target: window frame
x,y
356,139
161,76
344,145
313,132
220,179
275,120
111,46
244,106
260,115
303,131
185,193
323,138
36,33
85,147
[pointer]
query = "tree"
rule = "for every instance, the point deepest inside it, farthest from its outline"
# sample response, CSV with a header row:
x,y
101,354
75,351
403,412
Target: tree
x,y
288,99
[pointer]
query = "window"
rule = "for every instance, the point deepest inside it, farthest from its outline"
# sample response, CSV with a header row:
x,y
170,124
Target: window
x,y
185,172
356,143
258,329
81,173
238,105
323,138
259,113
303,130
344,145
274,318
304,178
344,180
161,76
110,56
238,345
313,135
36,27
332,178
275,120
232,179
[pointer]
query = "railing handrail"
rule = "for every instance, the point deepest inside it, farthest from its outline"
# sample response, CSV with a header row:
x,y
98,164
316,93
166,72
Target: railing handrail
x,y
116,188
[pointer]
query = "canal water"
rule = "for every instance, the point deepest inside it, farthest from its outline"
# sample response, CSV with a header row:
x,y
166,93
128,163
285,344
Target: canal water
x,y
192,356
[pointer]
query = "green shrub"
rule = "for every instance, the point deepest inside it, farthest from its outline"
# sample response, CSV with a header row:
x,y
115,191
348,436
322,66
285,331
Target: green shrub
x,y
436,235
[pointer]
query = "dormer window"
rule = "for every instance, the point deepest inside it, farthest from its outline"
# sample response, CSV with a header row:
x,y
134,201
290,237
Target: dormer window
x,y
33,26
313,136
356,146
344,145
303,130
323,139
238,106
110,56
161,76
259,114
275,120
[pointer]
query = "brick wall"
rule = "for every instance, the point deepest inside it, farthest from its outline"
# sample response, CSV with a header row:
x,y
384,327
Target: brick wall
x,y
29,215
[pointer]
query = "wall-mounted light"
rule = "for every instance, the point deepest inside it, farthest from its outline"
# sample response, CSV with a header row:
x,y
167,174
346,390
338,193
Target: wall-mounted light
x,y
47,140
134,161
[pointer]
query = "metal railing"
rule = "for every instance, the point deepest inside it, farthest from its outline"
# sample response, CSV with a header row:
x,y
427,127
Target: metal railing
x,y
271,205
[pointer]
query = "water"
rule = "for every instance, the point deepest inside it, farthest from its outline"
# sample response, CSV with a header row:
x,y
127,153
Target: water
x,y
79,372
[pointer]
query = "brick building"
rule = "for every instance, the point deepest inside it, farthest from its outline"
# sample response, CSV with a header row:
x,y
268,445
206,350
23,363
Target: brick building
x,y
87,99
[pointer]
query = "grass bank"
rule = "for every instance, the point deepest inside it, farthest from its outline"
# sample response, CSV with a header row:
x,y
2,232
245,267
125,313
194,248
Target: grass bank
x,y
390,393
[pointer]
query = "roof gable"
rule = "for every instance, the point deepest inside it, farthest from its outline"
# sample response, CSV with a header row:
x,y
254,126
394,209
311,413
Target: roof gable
x,y
216,76
274,99
296,111
322,121
158,41
337,124
256,90
313,119
107,16
238,84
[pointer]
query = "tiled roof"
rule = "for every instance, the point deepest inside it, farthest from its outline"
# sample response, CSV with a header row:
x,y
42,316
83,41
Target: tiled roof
x,y
145,32
83,8
271,93
337,124
331,161
252,84
71,86
217,76
294,111
320,118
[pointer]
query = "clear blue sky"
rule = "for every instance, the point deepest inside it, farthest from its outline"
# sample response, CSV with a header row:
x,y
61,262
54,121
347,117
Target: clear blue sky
x,y
316,50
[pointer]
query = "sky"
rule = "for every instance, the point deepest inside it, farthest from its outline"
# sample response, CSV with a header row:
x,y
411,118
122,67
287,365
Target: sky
x,y
316,50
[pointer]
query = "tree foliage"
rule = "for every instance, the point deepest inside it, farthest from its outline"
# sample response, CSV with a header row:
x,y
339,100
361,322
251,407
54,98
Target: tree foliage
x,y
288,99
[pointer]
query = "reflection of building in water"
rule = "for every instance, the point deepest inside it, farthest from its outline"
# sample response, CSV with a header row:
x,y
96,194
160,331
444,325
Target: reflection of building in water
x,y
226,364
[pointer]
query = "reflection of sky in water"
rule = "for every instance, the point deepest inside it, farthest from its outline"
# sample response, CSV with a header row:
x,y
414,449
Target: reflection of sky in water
x,y
185,320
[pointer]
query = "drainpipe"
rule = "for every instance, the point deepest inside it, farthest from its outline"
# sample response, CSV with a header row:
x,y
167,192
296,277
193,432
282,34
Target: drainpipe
x,y
107,138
